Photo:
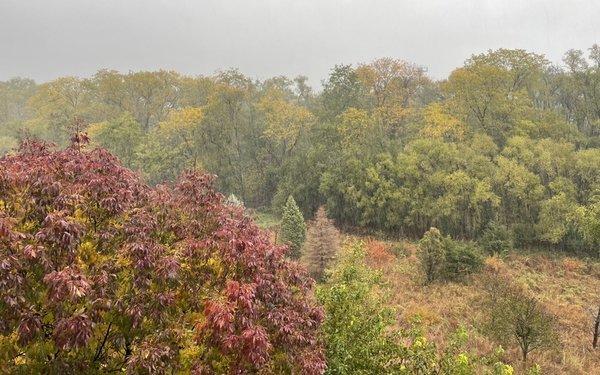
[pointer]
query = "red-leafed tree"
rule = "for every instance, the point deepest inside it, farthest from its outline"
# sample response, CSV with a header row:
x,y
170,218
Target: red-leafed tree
x,y
99,273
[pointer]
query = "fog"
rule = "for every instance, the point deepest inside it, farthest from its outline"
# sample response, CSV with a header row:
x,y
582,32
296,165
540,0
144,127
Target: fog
x,y
44,39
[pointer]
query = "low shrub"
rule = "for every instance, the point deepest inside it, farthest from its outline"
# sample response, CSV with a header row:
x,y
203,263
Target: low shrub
x,y
497,239
462,259
444,258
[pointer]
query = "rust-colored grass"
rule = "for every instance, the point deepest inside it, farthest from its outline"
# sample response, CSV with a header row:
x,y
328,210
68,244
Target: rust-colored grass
x,y
567,287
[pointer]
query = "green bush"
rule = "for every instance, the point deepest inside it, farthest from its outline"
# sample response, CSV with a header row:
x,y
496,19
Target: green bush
x,y
432,254
357,322
360,331
462,259
443,258
497,239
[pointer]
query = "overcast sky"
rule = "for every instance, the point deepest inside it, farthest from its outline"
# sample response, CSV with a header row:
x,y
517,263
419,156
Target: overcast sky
x,y
45,39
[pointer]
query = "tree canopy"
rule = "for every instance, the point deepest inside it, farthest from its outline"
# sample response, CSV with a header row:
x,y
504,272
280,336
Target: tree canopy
x,y
100,272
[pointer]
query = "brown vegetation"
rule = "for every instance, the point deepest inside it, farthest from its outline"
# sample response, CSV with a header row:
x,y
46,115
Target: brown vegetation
x,y
565,287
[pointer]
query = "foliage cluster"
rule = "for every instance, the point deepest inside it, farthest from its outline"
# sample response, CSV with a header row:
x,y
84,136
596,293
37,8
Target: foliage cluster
x,y
507,139
100,273
293,228
517,318
442,258
362,337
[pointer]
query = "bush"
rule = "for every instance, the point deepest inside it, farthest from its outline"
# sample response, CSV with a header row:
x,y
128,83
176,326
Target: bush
x,y
497,239
360,330
99,272
357,322
462,259
432,254
443,258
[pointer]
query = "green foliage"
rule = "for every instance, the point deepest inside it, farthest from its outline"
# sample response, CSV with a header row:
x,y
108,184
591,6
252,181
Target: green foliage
x,y
432,254
515,318
293,228
356,320
506,138
360,330
443,258
121,136
461,260
588,223
496,239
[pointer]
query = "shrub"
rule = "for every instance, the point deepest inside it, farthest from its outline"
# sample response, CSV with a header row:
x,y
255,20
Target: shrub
x,y
355,329
99,272
360,330
432,254
461,260
497,239
293,229
443,258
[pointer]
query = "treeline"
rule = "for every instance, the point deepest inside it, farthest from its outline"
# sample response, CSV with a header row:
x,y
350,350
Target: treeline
x,y
508,140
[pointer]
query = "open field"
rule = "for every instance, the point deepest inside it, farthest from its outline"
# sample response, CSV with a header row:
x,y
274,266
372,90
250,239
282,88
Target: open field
x,y
567,287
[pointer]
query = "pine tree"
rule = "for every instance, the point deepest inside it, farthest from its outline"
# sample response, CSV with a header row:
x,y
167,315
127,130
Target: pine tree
x,y
293,228
322,243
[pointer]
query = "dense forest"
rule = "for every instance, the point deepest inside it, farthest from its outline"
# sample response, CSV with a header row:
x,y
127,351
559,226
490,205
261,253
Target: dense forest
x,y
509,139
121,251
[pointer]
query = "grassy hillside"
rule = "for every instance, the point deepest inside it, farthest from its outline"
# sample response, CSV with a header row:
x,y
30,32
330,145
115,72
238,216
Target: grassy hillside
x,y
568,287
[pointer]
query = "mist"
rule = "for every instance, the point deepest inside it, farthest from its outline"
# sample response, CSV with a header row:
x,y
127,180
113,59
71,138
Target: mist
x,y
44,40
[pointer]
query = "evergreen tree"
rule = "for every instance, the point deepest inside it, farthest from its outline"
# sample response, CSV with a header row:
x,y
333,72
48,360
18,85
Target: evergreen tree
x,y
293,229
322,244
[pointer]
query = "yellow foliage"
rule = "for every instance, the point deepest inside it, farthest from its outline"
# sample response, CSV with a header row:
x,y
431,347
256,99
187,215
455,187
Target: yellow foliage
x,y
285,120
353,124
89,256
440,124
184,118
392,115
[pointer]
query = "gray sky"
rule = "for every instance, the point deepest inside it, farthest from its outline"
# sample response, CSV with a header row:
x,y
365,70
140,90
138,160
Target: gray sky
x,y
45,39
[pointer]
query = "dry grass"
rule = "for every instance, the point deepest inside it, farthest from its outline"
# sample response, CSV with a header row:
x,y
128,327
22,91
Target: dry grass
x,y
567,287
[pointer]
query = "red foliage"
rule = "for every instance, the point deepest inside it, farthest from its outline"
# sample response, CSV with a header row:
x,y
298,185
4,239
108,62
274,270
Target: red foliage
x,y
117,274
378,254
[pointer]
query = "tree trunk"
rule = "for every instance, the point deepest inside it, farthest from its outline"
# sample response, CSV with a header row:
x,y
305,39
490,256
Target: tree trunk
x,y
596,330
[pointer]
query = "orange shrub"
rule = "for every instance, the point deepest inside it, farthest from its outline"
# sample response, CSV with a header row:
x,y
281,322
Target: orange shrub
x,y
572,265
378,254
495,265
